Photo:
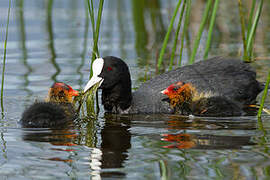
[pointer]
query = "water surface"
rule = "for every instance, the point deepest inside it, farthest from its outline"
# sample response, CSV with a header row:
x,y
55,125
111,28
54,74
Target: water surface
x,y
52,40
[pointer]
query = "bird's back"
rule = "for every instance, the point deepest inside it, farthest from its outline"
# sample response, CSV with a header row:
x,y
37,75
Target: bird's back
x,y
225,77
47,115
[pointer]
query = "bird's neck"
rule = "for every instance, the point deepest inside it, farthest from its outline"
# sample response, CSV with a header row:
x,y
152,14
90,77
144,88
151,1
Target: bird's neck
x,y
117,98
59,99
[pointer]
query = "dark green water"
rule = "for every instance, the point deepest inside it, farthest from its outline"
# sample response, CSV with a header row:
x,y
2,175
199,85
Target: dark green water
x,y
52,41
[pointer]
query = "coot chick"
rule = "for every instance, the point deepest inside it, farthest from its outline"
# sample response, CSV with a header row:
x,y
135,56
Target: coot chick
x,y
55,112
229,78
185,99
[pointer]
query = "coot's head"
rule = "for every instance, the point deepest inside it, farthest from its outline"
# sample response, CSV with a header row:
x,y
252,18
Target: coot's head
x,y
173,88
113,75
61,92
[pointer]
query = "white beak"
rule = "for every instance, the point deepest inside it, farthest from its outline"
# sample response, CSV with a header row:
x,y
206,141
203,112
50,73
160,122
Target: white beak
x,y
97,68
92,82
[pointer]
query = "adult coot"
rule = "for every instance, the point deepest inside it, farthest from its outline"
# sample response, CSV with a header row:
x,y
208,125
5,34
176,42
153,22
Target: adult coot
x,y
229,78
55,112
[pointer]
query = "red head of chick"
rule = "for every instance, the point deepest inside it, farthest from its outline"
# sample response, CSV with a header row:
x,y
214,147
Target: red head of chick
x,y
61,93
180,94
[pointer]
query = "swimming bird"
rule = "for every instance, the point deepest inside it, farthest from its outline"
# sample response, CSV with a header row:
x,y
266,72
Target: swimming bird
x,y
224,77
55,112
185,99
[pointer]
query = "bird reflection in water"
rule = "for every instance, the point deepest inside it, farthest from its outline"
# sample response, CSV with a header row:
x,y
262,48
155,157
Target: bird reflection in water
x,y
185,140
63,140
115,144
110,154
206,141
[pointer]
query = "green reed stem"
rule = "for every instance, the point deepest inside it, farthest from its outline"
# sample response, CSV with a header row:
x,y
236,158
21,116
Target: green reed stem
x,y
163,167
95,52
92,18
210,31
253,29
100,8
91,15
165,42
243,29
264,95
184,32
251,14
199,35
4,60
95,28
176,35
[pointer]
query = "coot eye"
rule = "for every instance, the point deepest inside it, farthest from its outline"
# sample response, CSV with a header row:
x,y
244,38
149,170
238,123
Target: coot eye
x,y
109,68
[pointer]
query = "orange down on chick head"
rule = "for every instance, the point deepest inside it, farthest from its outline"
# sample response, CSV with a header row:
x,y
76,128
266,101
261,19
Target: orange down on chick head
x,y
61,93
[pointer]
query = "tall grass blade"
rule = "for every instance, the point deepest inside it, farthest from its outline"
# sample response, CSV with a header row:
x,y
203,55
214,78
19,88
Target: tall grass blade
x,y
95,51
210,31
164,171
201,28
176,35
165,42
4,60
253,29
251,14
243,28
184,32
92,18
264,95
95,28
91,15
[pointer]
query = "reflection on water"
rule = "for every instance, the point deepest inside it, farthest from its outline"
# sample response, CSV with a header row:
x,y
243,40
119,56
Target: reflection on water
x,y
115,143
51,47
51,41
22,40
186,141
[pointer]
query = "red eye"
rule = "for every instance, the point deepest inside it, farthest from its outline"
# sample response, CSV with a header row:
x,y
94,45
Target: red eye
x,y
109,68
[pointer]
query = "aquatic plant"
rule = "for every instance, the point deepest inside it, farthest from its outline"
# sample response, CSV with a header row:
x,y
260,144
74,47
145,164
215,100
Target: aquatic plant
x,y
186,6
264,95
95,28
201,28
86,102
176,35
165,42
95,52
210,31
185,32
209,15
4,59
164,170
248,33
